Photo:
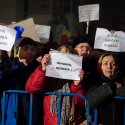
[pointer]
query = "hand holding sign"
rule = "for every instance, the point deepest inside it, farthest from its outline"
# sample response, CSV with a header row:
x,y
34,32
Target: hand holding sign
x,y
81,75
109,41
63,65
45,61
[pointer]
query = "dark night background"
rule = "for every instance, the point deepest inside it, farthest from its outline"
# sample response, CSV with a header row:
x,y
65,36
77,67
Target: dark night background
x,y
112,15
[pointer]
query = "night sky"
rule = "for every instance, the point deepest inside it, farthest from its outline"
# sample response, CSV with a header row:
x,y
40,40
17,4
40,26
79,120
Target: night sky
x,y
112,16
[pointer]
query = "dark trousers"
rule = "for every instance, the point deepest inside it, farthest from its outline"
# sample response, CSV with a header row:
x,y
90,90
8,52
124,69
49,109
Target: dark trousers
x,y
23,115
112,114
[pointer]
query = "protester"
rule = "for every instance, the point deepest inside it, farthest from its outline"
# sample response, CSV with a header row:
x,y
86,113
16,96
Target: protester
x,y
5,70
39,82
101,95
21,68
82,46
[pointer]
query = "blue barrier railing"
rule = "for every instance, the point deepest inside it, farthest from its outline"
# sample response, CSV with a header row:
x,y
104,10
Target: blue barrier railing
x,y
88,115
16,92
96,110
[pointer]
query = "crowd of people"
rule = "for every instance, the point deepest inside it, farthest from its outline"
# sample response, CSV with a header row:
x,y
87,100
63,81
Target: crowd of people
x,y
101,79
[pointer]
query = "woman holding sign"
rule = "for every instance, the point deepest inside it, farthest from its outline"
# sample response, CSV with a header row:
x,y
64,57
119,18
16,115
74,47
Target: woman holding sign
x,y
39,82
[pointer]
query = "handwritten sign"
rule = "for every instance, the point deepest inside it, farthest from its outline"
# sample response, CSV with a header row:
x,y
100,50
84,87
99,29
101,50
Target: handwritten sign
x,y
109,41
64,66
88,12
44,32
7,38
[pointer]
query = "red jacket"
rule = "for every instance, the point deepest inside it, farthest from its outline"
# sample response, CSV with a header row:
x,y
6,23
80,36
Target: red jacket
x,y
38,81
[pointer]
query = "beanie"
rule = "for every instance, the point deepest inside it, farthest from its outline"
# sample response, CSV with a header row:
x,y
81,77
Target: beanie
x,y
27,41
80,39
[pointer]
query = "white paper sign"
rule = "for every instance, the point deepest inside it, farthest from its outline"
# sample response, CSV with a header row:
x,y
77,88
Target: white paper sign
x,y
44,32
108,41
64,66
7,38
88,12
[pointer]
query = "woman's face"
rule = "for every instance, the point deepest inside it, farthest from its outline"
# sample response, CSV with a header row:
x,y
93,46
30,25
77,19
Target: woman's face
x,y
108,66
64,50
83,49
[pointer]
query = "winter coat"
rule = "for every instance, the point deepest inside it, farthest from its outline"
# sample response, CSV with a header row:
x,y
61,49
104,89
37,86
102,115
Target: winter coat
x,y
106,104
17,78
39,82
5,71
20,74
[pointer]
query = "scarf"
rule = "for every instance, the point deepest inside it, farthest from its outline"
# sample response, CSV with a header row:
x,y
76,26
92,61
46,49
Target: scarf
x,y
117,77
65,110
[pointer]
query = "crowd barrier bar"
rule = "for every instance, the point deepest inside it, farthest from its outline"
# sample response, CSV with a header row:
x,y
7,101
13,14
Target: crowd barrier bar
x,y
96,110
17,92
88,115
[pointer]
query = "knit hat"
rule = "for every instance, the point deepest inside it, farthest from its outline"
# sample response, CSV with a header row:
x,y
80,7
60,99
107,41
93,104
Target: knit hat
x,y
27,41
80,39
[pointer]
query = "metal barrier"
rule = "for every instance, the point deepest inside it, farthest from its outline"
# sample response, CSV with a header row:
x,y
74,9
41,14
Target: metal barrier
x,y
88,115
16,92
96,110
